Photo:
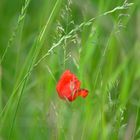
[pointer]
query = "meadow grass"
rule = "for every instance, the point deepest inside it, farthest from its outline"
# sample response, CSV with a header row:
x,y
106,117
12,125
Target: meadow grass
x,y
96,40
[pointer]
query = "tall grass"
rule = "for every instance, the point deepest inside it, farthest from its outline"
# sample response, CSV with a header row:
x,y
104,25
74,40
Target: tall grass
x,y
97,41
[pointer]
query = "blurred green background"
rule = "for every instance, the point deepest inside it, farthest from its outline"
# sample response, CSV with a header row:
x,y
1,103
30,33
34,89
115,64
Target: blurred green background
x,y
98,40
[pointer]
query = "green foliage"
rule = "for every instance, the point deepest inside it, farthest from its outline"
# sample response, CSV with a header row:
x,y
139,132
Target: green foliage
x,y
99,41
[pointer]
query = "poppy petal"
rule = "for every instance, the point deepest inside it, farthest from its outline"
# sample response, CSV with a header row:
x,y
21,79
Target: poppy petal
x,y
67,84
68,87
82,92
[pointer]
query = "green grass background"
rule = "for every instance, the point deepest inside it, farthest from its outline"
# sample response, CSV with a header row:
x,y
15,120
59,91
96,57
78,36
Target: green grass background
x,y
98,40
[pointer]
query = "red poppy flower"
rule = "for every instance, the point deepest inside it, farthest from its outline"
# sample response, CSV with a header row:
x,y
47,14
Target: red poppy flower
x,y
68,87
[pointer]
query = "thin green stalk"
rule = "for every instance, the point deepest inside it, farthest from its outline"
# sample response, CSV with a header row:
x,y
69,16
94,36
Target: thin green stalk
x,y
0,89
38,46
14,33
21,19
10,42
135,125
